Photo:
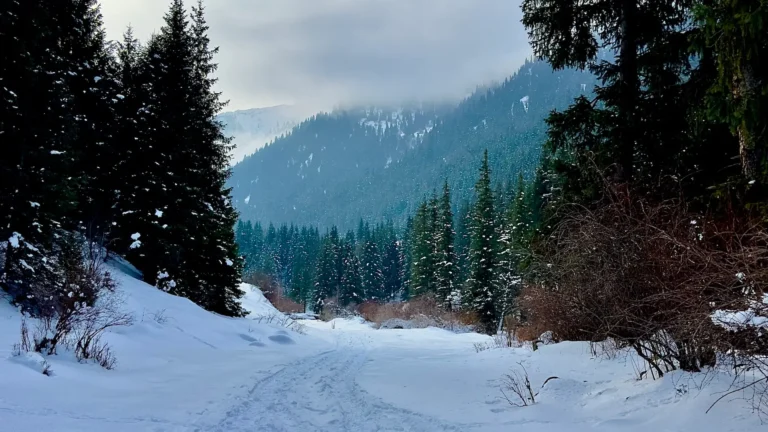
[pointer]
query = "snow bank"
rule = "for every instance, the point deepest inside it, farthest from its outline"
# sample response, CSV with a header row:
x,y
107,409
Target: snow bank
x,y
255,303
179,367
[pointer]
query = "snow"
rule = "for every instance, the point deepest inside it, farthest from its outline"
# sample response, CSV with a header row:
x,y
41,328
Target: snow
x,y
136,242
158,213
229,262
524,100
181,368
755,317
57,152
255,303
247,199
14,240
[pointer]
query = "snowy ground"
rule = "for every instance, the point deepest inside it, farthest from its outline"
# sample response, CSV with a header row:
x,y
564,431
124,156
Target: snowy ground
x,y
196,371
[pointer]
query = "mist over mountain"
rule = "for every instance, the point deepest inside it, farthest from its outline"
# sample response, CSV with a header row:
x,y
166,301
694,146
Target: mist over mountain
x,y
378,163
253,128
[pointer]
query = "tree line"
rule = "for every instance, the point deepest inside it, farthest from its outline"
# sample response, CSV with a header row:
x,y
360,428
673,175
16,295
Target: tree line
x,y
113,144
468,259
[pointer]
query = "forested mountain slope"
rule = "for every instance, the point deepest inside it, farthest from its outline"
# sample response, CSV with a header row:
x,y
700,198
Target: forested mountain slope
x,y
375,164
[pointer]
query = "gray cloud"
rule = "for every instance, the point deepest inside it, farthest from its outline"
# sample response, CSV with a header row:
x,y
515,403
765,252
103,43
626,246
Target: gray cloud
x,y
327,52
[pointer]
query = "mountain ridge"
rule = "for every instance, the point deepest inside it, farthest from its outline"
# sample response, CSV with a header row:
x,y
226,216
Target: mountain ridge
x,y
377,173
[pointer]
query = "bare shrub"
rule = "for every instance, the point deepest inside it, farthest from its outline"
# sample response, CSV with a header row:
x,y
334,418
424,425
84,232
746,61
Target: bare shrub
x,y
25,343
650,276
159,316
516,388
96,350
282,321
91,324
46,368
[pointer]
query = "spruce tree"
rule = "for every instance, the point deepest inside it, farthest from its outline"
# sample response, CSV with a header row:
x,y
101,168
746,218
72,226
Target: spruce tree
x,y
481,292
392,267
734,30
350,283
95,96
446,258
641,53
423,268
372,275
38,186
328,274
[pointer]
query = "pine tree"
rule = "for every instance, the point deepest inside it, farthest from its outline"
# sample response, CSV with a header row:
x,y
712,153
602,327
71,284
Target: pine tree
x,y
735,31
511,232
463,236
641,53
407,261
424,266
38,186
350,283
483,253
446,258
372,275
392,267
178,213
94,88
328,272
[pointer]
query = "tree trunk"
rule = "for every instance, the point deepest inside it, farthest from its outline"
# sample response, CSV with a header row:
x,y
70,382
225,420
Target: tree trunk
x,y
628,85
744,89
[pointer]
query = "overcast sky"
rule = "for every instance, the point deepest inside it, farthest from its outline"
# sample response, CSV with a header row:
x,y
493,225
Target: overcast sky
x,y
322,53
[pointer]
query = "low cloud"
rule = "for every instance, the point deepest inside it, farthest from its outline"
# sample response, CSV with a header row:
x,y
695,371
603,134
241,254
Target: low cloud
x,y
322,53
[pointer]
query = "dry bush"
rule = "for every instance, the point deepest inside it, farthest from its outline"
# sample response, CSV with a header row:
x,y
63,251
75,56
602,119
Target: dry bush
x,y
516,388
649,276
422,311
282,321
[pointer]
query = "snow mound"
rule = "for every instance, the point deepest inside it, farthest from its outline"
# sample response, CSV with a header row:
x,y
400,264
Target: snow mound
x,y
255,303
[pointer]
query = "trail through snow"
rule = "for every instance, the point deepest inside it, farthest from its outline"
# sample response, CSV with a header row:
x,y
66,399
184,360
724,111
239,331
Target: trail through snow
x,y
182,369
320,393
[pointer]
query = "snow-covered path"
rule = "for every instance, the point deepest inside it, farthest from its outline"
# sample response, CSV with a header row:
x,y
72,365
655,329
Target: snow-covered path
x,y
320,394
181,369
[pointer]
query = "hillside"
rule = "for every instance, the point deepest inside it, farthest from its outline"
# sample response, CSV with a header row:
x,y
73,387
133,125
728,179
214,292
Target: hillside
x,y
252,129
377,164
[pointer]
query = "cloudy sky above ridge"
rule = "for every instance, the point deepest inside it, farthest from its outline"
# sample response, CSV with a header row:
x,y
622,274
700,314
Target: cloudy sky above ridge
x,y
322,53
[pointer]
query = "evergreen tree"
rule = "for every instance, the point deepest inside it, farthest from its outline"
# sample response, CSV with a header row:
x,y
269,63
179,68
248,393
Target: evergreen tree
x,y
392,267
481,293
424,265
463,236
38,186
372,275
662,142
350,283
327,275
735,31
446,258
179,212
406,264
